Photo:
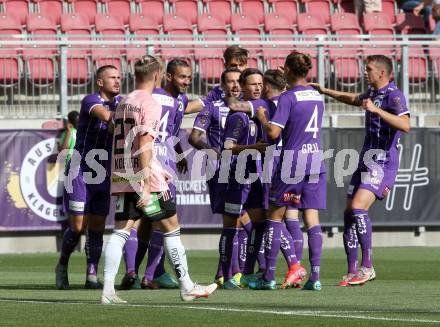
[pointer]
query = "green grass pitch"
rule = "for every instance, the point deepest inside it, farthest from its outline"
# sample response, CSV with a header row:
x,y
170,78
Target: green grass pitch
x,y
406,293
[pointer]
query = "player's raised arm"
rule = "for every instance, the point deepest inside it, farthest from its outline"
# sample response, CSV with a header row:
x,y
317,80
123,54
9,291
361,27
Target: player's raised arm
x,y
345,97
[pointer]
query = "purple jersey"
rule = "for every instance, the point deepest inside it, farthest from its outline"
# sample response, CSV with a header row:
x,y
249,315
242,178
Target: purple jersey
x,y
183,103
92,133
243,131
214,95
270,105
299,113
212,120
378,134
170,107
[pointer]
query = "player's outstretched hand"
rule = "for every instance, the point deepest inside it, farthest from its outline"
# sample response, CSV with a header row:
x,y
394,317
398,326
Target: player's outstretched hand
x,y
368,105
317,86
261,113
182,166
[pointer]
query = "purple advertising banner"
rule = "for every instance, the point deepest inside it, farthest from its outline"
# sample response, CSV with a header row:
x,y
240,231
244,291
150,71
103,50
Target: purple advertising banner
x,y
31,185
31,188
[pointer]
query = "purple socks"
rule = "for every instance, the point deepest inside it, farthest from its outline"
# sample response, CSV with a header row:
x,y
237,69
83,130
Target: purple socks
x,y
350,241
70,241
272,246
314,236
155,256
294,228
287,247
130,249
225,251
254,245
93,249
242,245
364,235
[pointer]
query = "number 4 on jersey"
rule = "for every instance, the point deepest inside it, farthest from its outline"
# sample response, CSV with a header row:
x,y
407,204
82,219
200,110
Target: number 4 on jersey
x,y
312,125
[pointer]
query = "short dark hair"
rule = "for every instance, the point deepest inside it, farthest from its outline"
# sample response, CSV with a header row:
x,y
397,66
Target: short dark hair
x,y
383,60
228,70
173,64
72,116
299,63
102,69
247,72
236,52
275,78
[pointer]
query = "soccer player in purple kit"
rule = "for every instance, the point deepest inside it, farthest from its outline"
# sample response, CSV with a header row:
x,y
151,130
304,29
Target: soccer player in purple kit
x,y
246,194
274,84
208,134
386,117
298,119
88,204
234,57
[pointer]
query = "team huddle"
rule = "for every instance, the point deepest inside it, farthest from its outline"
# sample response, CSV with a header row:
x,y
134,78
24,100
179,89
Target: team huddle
x,y
261,136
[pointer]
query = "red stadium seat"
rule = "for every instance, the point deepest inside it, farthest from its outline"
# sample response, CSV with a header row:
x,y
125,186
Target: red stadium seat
x,y
286,8
9,68
18,8
9,26
178,29
389,9
109,25
152,8
76,25
347,70
109,28
277,27
144,27
252,8
319,8
310,25
219,8
37,24
409,24
345,22
210,65
120,8
41,70
78,64
213,26
85,7
188,8
53,9
375,21
417,69
246,29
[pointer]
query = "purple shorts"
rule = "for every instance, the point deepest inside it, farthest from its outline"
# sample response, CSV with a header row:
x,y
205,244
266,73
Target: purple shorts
x,y
237,199
215,195
310,193
377,182
87,198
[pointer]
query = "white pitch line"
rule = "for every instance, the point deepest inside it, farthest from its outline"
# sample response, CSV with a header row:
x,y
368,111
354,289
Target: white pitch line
x,y
304,313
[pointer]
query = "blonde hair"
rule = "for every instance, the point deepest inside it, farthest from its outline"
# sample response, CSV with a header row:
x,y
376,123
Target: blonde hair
x,y
145,66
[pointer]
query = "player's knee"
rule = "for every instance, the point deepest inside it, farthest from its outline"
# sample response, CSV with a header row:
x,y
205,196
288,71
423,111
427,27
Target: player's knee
x,y
78,227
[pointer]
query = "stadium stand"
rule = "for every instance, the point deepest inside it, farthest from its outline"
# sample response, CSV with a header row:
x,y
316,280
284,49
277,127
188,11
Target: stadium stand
x,y
253,8
85,7
152,8
54,7
246,28
188,8
219,8
118,8
178,28
17,8
288,9
319,8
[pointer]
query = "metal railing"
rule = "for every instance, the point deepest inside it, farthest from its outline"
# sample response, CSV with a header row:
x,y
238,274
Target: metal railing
x,y
46,78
